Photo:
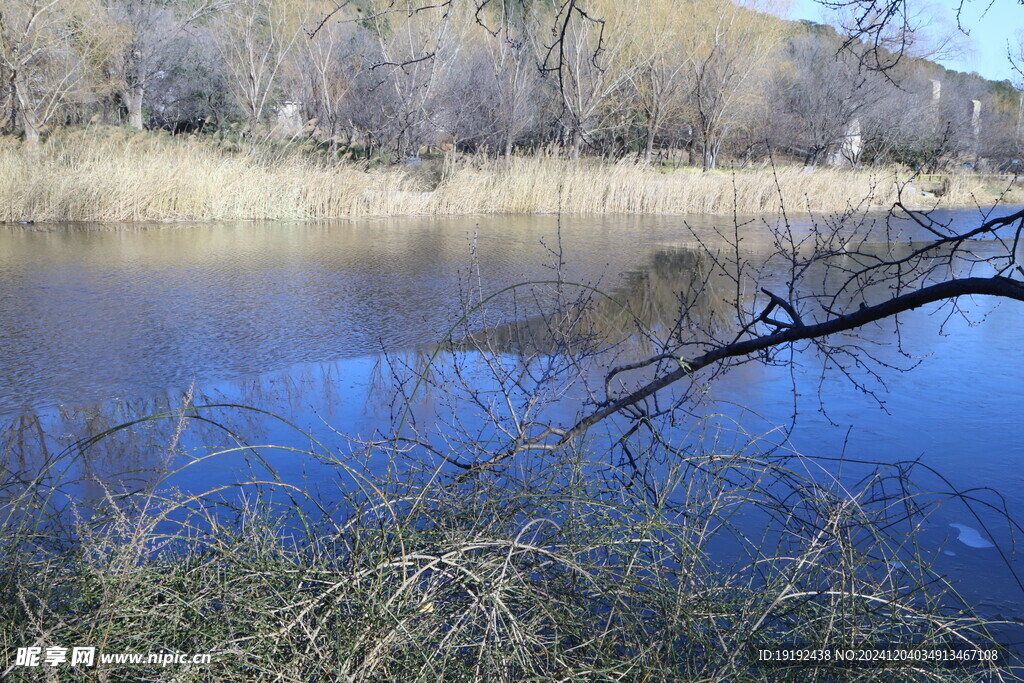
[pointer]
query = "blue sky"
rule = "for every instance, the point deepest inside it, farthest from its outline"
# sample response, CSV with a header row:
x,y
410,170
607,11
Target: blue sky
x,y
984,50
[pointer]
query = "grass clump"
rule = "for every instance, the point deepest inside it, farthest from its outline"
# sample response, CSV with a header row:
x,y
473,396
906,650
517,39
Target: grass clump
x,y
556,568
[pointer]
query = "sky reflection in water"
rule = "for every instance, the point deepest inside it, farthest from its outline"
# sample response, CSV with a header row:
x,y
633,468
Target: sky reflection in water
x,y
97,326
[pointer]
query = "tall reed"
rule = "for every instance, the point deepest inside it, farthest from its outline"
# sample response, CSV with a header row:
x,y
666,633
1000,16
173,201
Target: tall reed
x,y
113,175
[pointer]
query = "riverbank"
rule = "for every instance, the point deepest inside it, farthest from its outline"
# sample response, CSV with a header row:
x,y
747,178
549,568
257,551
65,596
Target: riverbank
x,y
117,175
557,572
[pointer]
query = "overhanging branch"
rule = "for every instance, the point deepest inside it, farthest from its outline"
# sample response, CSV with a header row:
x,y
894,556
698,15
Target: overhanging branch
x,y
942,291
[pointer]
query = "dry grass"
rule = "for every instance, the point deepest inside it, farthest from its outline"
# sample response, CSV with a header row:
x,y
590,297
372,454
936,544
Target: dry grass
x,y
561,573
115,175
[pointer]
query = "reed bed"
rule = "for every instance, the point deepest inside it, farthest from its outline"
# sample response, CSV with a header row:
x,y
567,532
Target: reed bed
x,y
114,175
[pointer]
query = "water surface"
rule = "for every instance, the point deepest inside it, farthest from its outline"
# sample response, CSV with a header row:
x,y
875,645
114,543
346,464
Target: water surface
x,y
100,323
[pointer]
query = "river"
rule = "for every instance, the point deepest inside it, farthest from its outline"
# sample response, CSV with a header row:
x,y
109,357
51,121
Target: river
x,y
105,323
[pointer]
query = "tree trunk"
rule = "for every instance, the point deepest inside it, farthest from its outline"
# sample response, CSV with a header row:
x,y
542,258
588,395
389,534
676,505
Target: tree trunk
x,y
652,128
1020,116
133,101
710,155
28,124
27,115
12,119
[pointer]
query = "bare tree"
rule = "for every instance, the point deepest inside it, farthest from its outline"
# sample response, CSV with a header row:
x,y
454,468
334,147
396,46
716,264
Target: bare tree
x,y
417,48
664,78
732,48
143,31
594,63
255,39
47,53
511,52
191,91
327,71
823,93
1016,55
